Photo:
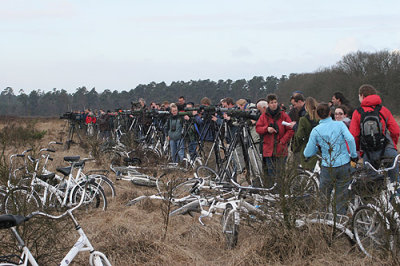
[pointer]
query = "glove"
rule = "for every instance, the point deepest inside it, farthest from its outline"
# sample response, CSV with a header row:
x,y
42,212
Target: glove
x,y
355,159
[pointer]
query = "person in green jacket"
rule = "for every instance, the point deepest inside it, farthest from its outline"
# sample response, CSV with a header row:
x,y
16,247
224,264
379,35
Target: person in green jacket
x,y
306,124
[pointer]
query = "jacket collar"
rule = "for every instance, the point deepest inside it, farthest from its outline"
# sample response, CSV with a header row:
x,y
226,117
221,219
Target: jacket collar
x,y
326,120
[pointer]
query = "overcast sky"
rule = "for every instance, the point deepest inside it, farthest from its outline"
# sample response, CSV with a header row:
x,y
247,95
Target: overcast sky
x,y
118,44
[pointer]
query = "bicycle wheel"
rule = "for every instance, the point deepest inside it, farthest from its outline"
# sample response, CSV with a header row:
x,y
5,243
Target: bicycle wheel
x,y
94,196
143,181
105,183
230,228
113,156
371,232
150,155
54,202
303,184
3,194
206,173
136,200
187,208
21,200
99,259
256,168
185,189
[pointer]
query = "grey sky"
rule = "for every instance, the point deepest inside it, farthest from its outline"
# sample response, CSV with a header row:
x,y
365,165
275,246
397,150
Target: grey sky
x,y
119,44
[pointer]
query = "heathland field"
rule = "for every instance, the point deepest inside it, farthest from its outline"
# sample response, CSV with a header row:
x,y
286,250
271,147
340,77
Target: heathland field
x,y
141,234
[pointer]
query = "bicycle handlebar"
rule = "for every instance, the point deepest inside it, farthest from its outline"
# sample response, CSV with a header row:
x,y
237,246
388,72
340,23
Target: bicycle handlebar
x,y
379,171
88,159
252,188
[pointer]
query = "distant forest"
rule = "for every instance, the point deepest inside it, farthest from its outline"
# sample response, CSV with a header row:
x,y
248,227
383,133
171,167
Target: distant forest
x,y
380,69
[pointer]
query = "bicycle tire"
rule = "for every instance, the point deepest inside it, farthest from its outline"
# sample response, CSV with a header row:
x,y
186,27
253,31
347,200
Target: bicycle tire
x,y
3,193
193,206
206,173
303,184
371,232
143,181
53,201
96,196
185,188
99,259
106,184
22,201
229,226
113,156
150,155
136,200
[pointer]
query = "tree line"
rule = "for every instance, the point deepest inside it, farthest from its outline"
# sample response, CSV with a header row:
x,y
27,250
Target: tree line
x,y
380,69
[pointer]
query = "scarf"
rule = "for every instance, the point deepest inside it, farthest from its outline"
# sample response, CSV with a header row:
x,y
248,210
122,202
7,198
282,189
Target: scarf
x,y
275,112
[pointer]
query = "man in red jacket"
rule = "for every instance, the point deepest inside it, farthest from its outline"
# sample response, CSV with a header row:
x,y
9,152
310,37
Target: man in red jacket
x,y
276,136
369,101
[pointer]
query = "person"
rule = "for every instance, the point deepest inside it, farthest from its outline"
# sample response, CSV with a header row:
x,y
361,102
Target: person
x,y
181,104
142,103
338,99
331,137
242,104
293,112
262,105
231,123
298,102
104,125
306,124
192,135
174,128
153,105
165,106
207,125
228,102
276,137
203,123
341,113
90,122
370,101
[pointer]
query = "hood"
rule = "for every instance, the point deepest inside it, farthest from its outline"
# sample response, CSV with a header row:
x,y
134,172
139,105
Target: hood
x,y
371,100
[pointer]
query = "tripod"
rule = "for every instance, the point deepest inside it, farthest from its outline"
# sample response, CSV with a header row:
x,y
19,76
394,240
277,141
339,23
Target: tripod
x,y
71,131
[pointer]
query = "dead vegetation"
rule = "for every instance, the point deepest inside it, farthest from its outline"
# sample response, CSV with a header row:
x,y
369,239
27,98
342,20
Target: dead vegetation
x,y
137,235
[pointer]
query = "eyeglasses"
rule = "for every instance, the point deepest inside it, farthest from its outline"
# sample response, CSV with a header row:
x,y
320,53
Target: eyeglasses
x,y
339,113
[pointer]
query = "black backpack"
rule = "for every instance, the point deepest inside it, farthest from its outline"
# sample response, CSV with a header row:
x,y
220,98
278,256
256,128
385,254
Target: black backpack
x,y
372,137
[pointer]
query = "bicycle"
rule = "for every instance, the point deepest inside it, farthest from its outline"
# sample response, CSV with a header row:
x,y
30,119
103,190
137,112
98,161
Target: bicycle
x,y
376,225
83,244
24,199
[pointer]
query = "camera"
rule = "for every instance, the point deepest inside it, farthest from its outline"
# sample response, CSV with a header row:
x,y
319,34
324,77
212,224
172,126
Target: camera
x,y
136,105
71,116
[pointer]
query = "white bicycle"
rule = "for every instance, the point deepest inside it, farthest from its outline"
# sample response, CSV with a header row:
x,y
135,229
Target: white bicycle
x,y
26,258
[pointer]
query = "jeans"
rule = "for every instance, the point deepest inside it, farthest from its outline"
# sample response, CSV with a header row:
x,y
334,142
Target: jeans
x,y
192,149
273,167
177,150
337,178
389,152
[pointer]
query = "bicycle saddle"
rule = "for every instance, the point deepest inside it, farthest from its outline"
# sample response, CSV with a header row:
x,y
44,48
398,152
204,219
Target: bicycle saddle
x,y
48,176
71,159
64,170
9,220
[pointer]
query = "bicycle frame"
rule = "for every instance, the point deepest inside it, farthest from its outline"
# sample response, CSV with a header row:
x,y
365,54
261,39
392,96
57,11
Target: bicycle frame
x,y
81,245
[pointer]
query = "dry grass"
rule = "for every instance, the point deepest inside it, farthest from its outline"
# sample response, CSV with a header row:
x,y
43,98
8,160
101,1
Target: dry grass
x,y
133,235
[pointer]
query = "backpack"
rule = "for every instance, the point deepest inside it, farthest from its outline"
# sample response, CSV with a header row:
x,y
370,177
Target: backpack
x,y
372,138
